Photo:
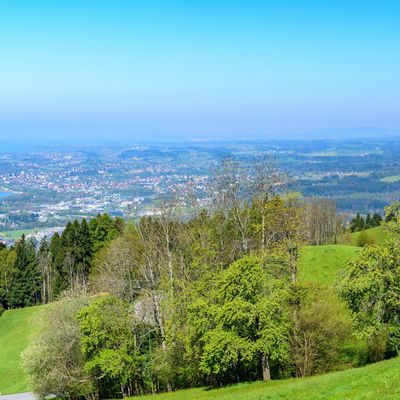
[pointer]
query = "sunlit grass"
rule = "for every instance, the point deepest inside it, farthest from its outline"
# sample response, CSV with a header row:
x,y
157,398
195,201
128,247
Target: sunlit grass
x,y
374,382
15,329
323,264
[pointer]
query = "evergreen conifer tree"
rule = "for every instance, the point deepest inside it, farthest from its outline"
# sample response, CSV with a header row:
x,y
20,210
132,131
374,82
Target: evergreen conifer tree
x,y
376,219
368,222
83,251
26,281
60,275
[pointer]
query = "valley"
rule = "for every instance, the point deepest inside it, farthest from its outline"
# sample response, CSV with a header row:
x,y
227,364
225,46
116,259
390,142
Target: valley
x,y
48,187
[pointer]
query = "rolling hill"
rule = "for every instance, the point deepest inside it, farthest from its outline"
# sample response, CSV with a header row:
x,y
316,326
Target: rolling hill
x,y
323,264
378,234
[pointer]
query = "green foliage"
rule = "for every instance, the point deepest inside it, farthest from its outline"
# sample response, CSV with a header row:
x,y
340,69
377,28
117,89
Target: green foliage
x,y
358,223
241,321
7,263
321,330
225,352
365,239
392,212
71,254
379,234
77,250
54,360
112,345
29,277
103,229
60,274
25,283
371,288
212,300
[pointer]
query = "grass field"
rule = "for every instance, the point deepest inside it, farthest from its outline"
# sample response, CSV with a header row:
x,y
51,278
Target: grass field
x,y
16,234
323,264
378,233
374,381
15,329
377,381
391,179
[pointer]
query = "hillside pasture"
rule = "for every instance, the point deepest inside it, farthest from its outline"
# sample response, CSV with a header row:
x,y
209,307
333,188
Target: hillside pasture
x,y
376,381
15,330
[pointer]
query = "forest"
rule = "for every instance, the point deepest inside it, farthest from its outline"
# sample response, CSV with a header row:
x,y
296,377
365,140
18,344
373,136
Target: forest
x,y
170,301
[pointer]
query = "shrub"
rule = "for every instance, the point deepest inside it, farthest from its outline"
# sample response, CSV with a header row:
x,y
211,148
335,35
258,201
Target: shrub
x,y
365,239
54,360
321,330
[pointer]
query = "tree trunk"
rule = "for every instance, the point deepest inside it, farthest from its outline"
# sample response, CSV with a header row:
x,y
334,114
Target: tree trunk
x,y
158,320
305,361
263,231
266,368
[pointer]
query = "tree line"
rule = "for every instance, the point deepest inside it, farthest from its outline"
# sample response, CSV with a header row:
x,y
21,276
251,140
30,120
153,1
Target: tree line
x,y
358,223
31,275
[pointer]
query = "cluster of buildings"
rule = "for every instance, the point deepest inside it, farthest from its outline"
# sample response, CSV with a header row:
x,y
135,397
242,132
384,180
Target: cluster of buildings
x,y
51,188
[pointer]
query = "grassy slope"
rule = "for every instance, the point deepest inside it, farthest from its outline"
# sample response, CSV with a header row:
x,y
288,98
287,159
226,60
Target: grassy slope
x,y
378,233
391,179
324,263
376,381
16,234
15,329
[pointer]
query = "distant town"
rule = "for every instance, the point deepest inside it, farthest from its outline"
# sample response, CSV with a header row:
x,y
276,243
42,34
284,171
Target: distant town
x,y
43,189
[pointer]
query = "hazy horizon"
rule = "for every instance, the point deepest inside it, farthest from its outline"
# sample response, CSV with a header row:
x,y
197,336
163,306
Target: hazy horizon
x,y
106,138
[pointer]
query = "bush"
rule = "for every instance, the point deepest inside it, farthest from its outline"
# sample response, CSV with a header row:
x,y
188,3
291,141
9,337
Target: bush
x,y
365,239
55,349
345,238
113,346
321,330
1,310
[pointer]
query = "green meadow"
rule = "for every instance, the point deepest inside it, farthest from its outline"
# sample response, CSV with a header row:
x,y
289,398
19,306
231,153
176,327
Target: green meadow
x,y
374,382
390,179
15,329
323,264
377,234
16,234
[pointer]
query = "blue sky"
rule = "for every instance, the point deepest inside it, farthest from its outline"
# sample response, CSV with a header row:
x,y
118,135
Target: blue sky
x,y
159,69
